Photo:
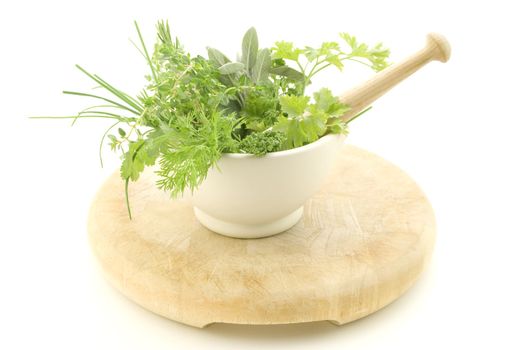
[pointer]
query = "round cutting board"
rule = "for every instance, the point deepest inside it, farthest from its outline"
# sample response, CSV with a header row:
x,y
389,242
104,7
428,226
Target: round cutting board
x,y
362,242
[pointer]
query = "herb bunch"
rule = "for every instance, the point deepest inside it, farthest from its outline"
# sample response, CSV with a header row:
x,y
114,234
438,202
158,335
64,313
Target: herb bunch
x,y
194,109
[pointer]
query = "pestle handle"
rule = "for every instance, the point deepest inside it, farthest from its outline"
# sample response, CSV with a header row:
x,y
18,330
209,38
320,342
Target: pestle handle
x,y
437,48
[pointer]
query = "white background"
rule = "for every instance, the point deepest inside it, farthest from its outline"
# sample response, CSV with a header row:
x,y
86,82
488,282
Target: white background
x,y
455,128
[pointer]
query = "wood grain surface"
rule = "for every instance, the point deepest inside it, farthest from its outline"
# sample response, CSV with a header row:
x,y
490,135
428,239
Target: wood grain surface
x,y
363,241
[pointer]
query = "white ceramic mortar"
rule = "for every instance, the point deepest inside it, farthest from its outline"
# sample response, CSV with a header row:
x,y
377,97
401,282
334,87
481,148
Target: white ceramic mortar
x,y
253,197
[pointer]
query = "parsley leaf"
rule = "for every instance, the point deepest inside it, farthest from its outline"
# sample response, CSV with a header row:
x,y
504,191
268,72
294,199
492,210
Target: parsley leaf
x,y
294,106
304,123
310,61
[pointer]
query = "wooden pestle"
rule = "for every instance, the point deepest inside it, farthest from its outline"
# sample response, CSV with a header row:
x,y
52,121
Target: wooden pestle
x,y
437,48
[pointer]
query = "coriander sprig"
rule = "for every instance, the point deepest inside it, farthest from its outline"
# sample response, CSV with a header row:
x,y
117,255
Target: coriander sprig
x,y
310,61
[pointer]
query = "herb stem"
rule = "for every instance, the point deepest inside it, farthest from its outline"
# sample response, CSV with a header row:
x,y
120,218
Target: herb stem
x,y
127,198
359,114
80,116
153,72
102,142
350,58
122,96
102,98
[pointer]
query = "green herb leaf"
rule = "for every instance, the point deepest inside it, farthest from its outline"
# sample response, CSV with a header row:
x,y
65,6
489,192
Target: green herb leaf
x,y
250,48
330,104
377,56
263,143
306,122
300,131
132,165
311,53
286,50
260,71
294,106
286,71
217,57
231,68
335,61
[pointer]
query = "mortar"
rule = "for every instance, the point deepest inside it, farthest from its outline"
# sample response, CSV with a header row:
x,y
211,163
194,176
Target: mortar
x,y
251,197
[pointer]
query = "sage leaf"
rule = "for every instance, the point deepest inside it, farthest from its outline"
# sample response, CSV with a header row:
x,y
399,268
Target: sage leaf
x,y
216,57
286,71
250,48
231,68
260,71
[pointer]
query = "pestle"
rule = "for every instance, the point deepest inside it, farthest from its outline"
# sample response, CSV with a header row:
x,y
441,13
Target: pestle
x,y
437,48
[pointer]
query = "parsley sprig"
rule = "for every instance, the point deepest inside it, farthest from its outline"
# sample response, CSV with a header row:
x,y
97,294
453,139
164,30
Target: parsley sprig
x,y
310,61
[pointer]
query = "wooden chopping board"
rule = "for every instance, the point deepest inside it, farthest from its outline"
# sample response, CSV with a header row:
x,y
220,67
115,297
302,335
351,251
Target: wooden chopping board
x,y
362,242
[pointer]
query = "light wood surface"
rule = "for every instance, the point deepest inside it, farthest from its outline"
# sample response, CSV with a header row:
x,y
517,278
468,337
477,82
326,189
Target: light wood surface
x,y
437,48
363,241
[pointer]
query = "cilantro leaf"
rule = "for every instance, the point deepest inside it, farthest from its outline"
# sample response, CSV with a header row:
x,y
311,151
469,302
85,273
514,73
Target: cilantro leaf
x,y
286,50
377,56
330,54
294,106
327,102
141,153
300,125
300,131
306,122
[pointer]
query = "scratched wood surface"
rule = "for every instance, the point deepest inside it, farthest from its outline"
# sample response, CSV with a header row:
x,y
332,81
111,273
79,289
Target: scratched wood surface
x,y
363,241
